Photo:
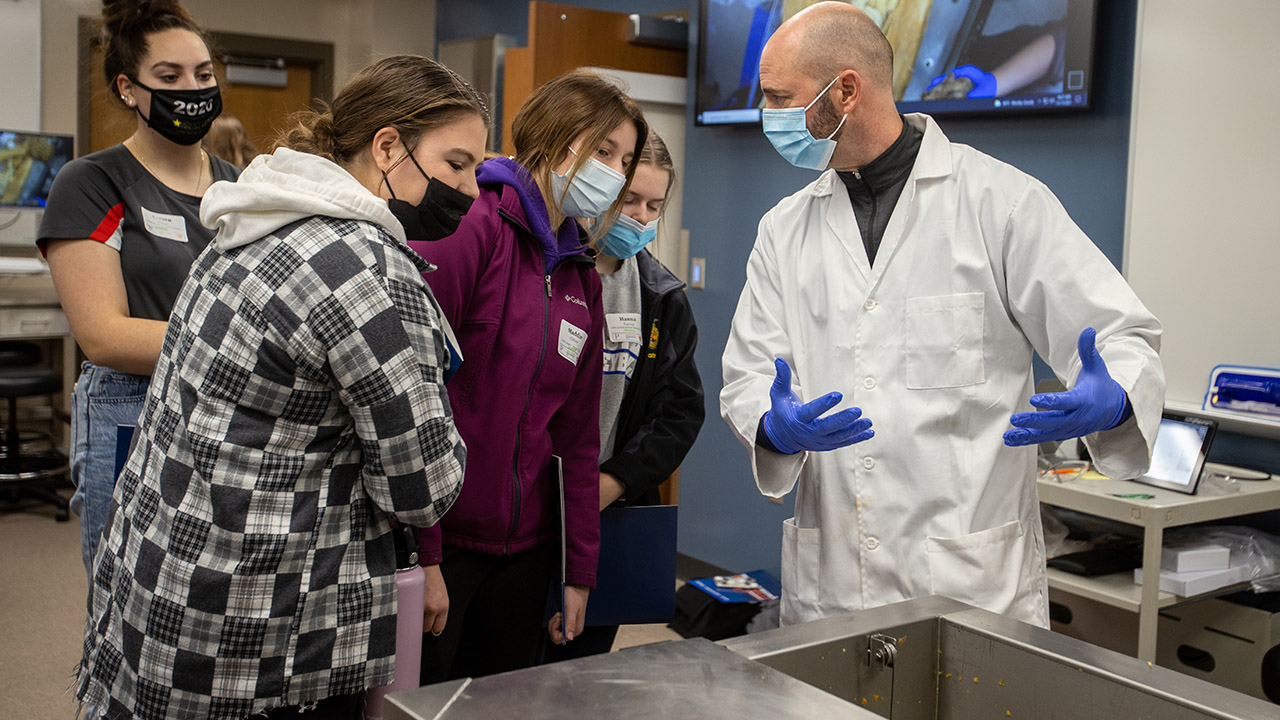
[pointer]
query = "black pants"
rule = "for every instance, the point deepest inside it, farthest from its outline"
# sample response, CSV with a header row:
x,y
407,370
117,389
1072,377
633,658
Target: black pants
x,y
497,614
594,640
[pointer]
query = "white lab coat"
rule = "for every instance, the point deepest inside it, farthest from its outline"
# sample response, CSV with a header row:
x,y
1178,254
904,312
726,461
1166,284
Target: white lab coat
x,y
979,266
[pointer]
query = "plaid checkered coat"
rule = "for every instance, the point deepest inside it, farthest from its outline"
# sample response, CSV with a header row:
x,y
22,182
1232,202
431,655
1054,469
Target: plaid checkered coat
x,y
297,407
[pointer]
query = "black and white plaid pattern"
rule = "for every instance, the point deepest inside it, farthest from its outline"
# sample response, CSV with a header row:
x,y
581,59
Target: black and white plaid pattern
x,y
298,405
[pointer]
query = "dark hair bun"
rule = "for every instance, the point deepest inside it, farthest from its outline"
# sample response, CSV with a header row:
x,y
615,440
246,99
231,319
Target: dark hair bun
x,y
124,27
119,16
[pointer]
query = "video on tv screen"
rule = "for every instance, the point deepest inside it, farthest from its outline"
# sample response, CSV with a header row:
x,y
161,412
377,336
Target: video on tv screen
x,y
950,56
28,164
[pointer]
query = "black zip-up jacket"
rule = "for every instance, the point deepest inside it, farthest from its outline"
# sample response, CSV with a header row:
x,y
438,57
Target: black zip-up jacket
x,y
662,409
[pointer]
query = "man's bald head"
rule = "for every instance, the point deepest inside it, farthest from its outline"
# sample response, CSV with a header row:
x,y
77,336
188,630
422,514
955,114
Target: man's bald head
x,y
828,38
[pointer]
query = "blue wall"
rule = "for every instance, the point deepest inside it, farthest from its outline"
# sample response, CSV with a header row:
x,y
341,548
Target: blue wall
x,y
734,177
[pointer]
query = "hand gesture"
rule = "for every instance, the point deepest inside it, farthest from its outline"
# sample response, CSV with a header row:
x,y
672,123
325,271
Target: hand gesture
x,y
1095,403
791,426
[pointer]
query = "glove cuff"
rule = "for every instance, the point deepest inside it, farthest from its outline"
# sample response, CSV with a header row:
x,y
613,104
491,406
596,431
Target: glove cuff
x,y
1126,411
766,442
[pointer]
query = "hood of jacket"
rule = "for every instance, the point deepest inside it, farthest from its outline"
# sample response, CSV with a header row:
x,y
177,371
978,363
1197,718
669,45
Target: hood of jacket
x,y
283,188
557,245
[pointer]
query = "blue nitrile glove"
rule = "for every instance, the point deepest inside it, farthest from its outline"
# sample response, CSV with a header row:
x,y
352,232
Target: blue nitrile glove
x,y
984,83
791,427
1095,403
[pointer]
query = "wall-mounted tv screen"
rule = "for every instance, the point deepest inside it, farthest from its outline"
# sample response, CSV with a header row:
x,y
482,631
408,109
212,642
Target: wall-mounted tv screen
x,y
950,56
28,163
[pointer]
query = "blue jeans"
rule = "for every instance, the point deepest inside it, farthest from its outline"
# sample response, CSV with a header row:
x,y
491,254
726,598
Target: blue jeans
x,y
103,399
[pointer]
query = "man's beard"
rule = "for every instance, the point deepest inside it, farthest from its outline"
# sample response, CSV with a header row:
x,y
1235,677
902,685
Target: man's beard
x,y
826,121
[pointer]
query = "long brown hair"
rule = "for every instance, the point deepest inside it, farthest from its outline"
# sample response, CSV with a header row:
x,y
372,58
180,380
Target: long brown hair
x,y
411,93
572,104
125,27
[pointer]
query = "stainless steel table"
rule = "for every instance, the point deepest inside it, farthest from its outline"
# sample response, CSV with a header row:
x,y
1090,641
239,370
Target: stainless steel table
x,y
925,659
689,679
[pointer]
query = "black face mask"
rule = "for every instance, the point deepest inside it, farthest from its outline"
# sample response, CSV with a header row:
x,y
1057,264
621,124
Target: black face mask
x,y
436,216
182,116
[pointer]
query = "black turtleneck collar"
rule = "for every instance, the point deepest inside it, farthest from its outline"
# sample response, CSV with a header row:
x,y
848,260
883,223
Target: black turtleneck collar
x,y
874,188
891,167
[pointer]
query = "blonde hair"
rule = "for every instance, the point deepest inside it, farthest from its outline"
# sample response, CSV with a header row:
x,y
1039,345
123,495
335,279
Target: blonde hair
x,y
575,103
655,153
228,140
410,93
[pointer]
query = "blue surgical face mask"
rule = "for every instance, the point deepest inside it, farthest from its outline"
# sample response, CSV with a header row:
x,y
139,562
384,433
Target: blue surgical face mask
x,y
591,192
789,132
628,237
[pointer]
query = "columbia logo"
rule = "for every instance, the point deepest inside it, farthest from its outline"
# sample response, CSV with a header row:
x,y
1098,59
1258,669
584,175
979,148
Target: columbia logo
x,y
575,300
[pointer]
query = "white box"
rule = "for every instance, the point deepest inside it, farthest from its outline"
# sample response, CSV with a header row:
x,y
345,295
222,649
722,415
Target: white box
x,y
1200,556
1223,642
1233,645
1186,584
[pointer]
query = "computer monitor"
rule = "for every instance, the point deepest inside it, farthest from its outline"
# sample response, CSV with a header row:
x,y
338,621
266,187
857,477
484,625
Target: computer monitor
x,y
1182,444
28,163
1043,50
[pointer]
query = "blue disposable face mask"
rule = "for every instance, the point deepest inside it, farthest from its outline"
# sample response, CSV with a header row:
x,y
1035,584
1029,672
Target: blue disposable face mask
x,y
591,192
789,132
628,237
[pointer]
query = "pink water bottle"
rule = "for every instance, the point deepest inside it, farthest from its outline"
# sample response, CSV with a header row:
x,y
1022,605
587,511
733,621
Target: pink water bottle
x,y
411,587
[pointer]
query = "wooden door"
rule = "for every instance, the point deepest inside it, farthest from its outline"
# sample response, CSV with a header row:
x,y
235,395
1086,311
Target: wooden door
x,y
265,111
556,46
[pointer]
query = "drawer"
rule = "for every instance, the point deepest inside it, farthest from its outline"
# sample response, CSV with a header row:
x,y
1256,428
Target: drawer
x,y
33,322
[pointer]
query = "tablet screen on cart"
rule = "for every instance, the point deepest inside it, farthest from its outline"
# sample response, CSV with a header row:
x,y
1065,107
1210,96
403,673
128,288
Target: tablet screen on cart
x,y
1182,444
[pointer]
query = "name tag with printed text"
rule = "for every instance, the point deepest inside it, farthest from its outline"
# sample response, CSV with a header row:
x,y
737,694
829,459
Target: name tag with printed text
x,y
572,340
172,227
623,327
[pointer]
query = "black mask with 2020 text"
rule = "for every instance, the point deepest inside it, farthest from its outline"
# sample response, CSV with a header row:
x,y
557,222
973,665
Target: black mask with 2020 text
x,y
182,116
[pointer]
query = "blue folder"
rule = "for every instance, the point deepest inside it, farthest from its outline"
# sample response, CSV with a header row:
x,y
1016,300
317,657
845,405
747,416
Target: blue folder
x,y
124,441
636,578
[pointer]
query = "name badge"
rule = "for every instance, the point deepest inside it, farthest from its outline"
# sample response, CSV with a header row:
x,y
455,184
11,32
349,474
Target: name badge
x,y
624,328
172,227
572,340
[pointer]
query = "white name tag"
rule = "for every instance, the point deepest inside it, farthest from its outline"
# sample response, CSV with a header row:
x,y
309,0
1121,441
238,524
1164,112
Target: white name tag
x,y
572,340
623,327
173,227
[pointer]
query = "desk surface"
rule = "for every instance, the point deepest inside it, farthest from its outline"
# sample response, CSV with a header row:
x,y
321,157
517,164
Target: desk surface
x,y
27,291
1167,508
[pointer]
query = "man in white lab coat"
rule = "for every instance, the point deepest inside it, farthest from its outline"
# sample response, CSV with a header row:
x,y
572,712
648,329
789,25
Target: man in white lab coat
x,y
918,277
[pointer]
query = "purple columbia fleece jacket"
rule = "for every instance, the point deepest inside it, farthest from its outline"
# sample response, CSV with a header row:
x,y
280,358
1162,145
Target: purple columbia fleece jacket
x,y
524,302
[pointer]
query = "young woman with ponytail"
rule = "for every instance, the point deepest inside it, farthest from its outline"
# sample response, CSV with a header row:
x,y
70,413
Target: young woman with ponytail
x,y
297,414
122,228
